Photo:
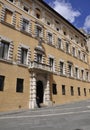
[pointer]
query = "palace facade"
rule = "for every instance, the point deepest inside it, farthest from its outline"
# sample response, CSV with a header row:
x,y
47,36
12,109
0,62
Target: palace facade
x,y
41,54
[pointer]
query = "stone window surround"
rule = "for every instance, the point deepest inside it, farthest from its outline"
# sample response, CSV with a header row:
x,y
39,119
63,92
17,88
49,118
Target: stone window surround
x,y
3,38
21,45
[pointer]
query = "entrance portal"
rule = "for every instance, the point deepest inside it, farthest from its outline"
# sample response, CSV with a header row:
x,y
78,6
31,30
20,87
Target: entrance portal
x,y
39,90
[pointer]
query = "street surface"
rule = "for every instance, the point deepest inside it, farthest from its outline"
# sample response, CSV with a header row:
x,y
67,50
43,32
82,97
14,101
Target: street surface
x,y
74,116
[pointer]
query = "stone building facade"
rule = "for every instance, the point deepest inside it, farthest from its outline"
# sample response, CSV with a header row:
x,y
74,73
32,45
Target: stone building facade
x,y
41,54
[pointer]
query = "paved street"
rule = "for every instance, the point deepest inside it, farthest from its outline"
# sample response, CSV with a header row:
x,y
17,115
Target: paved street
x,y
74,116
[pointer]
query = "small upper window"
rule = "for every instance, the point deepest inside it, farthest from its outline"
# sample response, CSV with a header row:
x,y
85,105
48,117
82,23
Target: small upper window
x,y
50,38
48,23
11,0
26,9
25,25
38,16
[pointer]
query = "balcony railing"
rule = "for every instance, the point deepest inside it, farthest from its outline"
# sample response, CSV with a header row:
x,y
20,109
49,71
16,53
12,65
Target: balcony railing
x,y
40,66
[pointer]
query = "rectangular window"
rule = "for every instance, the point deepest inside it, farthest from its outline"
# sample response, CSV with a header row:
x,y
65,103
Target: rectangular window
x,y
39,58
87,75
72,90
19,87
84,91
67,47
70,70
76,73
79,93
82,74
24,56
50,38
79,54
51,63
54,89
73,51
11,0
25,25
26,9
2,82
84,57
4,48
63,90
59,43
39,30
8,16
61,68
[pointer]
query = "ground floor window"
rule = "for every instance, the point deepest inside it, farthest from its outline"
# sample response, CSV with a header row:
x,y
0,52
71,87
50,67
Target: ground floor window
x,y
72,91
19,85
54,89
2,82
79,93
63,90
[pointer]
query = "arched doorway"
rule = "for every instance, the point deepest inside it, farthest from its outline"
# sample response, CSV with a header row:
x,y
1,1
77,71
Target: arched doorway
x,y
40,90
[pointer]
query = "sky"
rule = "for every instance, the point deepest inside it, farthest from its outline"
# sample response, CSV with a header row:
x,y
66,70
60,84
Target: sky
x,y
77,12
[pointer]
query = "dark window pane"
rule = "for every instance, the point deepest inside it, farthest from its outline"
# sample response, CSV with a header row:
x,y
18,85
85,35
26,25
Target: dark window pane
x,y
24,56
54,89
79,91
2,82
63,90
19,87
72,91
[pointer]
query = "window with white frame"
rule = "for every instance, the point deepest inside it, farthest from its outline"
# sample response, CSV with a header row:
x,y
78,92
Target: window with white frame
x,y
51,63
4,49
25,25
38,31
39,58
50,38
70,70
59,43
61,68
82,74
73,51
76,72
79,54
24,56
83,57
67,47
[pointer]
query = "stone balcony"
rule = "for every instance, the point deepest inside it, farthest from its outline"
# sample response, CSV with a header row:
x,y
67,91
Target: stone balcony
x,y
34,65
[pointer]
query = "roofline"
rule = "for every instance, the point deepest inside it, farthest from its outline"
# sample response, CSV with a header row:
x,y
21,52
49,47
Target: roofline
x,y
43,2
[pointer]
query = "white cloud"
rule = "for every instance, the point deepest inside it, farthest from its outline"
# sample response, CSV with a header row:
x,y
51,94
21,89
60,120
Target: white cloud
x,y
66,10
87,24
